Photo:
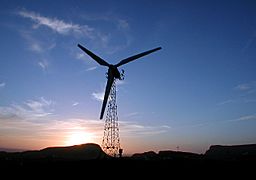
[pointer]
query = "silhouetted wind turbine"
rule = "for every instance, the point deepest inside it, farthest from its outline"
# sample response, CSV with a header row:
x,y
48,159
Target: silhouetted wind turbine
x,y
113,72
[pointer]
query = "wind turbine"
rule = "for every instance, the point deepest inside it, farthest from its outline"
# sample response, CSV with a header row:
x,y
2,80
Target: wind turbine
x,y
113,72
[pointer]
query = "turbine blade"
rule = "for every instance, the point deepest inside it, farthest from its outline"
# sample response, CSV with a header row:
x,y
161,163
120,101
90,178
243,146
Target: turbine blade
x,y
107,91
93,56
132,58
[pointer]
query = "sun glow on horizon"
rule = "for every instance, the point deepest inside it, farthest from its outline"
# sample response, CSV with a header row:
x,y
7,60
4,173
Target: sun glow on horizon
x,y
80,137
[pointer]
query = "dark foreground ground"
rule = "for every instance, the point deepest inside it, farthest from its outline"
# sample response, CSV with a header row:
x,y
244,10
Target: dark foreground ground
x,y
90,161
131,168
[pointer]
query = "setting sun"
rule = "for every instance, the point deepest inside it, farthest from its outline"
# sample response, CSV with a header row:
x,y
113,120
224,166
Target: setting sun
x,y
79,138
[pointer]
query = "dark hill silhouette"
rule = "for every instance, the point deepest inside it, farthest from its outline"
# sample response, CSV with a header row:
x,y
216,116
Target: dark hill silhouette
x,y
11,150
234,152
218,159
87,151
166,155
51,155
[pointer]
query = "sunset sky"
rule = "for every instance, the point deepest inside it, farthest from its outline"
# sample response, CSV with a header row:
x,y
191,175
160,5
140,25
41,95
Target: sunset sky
x,y
198,90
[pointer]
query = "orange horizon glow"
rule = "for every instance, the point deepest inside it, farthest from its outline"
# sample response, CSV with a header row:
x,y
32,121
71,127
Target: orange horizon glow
x,y
79,137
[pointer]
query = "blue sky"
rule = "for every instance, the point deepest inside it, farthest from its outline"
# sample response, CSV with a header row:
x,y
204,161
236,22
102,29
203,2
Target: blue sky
x,y
199,90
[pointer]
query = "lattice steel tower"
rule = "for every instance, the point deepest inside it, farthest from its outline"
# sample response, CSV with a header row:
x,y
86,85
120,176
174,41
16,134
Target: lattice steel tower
x,y
111,139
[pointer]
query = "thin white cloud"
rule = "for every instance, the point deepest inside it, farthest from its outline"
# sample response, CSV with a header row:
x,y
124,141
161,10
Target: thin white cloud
x,y
57,131
207,123
250,100
43,64
16,111
135,129
123,24
249,87
2,84
243,87
80,56
33,44
117,21
39,105
51,46
246,94
41,134
30,109
132,114
166,126
91,68
229,101
36,106
120,82
249,42
99,96
36,47
75,103
247,117
55,24
96,126
46,102
119,27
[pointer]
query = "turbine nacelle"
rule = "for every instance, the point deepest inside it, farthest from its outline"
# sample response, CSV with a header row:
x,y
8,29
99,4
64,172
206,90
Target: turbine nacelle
x,y
113,72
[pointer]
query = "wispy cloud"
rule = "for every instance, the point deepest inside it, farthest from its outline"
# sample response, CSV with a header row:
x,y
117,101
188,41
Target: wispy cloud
x,y
80,56
85,58
38,47
245,118
249,87
57,131
207,123
249,42
38,105
246,94
43,64
97,36
91,68
2,84
75,103
33,44
243,87
99,96
111,18
30,109
55,24
120,82
250,100
226,102
119,27
132,114
135,129
122,24
40,134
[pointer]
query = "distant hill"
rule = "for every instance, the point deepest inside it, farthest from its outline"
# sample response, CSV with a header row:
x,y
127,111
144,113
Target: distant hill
x,y
88,151
90,156
215,152
11,150
77,152
234,152
166,155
